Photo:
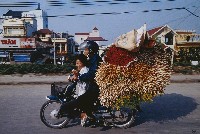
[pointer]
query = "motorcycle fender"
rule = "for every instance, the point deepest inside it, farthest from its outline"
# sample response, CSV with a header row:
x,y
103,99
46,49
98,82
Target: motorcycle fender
x,y
51,97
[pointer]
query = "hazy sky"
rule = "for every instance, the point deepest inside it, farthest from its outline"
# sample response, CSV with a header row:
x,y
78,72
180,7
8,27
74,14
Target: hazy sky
x,y
112,17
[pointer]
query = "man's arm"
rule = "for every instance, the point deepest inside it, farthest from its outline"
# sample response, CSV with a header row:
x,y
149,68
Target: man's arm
x,y
90,75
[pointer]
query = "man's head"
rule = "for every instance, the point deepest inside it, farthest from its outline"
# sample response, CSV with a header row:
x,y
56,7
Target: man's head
x,y
91,48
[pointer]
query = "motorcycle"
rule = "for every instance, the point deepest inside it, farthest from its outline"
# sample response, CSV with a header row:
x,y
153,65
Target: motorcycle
x,y
122,117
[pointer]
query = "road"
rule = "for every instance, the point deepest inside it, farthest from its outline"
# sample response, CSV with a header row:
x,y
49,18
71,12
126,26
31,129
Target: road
x,y
176,112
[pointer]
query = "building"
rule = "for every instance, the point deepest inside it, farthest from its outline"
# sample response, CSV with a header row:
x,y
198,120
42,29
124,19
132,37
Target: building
x,y
16,40
187,46
187,39
164,34
38,14
61,40
186,43
17,43
19,27
91,36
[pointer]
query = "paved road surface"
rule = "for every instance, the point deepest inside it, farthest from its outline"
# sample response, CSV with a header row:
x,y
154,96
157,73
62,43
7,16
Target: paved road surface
x,y
16,79
176,112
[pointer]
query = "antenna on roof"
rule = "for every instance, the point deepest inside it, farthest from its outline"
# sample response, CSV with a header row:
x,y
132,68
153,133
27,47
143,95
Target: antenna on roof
x,y
38,7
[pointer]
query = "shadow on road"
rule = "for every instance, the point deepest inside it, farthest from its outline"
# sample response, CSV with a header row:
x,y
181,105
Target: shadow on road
x,y
166,107
163,108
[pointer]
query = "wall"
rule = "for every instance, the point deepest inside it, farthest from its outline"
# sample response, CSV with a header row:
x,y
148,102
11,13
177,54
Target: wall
x,y
161,34
31,26
19,27
80,38
40,16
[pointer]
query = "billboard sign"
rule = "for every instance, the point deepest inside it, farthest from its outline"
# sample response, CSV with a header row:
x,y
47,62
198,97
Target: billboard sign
x,y
17,43
27,43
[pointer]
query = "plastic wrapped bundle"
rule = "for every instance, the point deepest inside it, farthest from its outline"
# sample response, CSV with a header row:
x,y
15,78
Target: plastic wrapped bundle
x,y
125,74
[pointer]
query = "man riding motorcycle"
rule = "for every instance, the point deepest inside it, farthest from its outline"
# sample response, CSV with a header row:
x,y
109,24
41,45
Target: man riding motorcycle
x,y
86,101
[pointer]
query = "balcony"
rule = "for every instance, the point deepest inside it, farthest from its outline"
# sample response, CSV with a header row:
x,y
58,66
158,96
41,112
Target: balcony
x,y
14,35
190,38
57,40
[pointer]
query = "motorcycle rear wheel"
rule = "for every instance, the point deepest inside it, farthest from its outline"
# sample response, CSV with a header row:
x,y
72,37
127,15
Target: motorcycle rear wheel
x,y
123,117
48,115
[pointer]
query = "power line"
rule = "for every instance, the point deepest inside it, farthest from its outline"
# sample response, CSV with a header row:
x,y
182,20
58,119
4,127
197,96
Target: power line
x,y
184,18
187,17
117,13
113,13
192,13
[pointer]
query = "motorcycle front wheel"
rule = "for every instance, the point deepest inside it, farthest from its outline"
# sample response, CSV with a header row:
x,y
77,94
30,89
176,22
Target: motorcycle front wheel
x,y
49,115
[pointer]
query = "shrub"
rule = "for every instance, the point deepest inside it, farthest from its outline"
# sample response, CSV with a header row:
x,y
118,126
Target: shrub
x,y
35,68
186,68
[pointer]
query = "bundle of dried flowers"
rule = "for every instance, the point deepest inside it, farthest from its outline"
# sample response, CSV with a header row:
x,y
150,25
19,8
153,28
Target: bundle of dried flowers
x,y
125,74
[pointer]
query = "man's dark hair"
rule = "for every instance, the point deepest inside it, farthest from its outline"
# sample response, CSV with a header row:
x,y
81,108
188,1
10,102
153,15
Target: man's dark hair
x,y
83,59
92,46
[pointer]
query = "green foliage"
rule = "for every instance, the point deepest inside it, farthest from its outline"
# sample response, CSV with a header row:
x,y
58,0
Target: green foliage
x,y
185,67
7,69
127,101
183,63
189,54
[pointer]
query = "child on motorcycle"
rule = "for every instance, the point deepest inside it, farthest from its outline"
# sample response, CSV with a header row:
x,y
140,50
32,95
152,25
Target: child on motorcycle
x,y
81,64
85,101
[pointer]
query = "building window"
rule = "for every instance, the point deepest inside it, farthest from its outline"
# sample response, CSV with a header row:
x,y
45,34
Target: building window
x,y
5,31
169,39
76,48
63,47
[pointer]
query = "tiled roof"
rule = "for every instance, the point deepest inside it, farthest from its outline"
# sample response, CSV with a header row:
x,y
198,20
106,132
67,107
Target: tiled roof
x,y
95,39
152,31
188,44
81,33
45,31
184,32
95,28
14,14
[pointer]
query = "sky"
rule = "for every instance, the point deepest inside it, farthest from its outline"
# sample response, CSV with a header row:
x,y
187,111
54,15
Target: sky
x,y
112,17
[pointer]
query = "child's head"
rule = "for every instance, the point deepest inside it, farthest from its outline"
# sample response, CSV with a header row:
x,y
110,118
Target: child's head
x,y
81,61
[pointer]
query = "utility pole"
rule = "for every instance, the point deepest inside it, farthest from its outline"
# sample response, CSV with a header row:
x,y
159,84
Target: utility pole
x,y
54,49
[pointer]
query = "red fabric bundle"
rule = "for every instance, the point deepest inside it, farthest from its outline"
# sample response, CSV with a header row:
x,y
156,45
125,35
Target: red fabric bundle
x,y
119,56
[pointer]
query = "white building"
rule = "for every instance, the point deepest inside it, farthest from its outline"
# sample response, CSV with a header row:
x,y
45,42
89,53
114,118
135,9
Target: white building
x,y
91,36
38,14
81,37
15,27
1,29
165,35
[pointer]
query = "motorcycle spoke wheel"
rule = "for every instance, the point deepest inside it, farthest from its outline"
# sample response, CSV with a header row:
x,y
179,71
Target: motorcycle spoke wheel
x,y
49,115
123,118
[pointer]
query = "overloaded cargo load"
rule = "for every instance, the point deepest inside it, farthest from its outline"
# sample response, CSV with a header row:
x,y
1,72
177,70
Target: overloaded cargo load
x,y
136,68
